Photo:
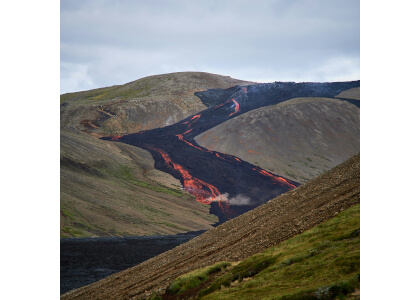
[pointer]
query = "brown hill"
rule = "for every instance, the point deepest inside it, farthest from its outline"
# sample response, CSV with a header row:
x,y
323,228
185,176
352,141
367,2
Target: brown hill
x,y
298,139
279,219
147,103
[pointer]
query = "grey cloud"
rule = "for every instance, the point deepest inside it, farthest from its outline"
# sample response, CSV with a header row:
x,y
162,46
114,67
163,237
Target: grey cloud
x,y
120,41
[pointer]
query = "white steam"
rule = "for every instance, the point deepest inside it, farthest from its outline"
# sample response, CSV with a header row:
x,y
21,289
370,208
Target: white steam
x,y
236,200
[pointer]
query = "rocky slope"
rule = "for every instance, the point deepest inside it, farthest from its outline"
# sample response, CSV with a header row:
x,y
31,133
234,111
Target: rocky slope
x,y
270,224
298,139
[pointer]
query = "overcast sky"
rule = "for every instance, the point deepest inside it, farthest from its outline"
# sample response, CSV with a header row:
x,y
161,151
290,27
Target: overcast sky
x,y
105,43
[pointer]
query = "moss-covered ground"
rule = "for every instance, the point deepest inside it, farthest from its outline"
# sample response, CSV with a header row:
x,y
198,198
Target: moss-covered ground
x,y
321,263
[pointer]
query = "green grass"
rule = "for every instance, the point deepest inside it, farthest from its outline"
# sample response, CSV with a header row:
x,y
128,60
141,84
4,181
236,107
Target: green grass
x,y
103,95
125,173
67,213
193,279
72,231
321,263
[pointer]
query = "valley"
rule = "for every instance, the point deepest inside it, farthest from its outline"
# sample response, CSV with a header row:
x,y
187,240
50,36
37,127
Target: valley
x,y
186,152
229,184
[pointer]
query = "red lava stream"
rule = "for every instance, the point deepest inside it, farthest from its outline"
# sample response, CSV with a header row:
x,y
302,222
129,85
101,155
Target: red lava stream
x,y
195,186
275,178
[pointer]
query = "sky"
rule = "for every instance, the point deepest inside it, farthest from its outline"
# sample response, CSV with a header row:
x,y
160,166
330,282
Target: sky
x,y
104,43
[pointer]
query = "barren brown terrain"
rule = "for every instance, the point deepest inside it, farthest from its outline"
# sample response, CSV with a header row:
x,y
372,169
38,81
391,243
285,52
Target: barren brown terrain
x,y
270,224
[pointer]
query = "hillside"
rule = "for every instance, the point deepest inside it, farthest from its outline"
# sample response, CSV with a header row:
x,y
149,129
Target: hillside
x,y
110,189
268,225
321,263
298,139
147,103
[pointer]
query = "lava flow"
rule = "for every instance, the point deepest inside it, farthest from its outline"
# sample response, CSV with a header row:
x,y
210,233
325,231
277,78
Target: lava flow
x,y
203,191
275,177
236,107
228,184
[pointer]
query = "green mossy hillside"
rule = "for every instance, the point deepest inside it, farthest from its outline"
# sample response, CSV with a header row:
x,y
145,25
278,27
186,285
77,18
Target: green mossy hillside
x,y
321,263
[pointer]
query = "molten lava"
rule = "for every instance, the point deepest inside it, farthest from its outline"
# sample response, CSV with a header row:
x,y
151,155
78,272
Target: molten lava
x,y
203,191
226,175
187,131
180,136
276,178
216,153
236,107
195,118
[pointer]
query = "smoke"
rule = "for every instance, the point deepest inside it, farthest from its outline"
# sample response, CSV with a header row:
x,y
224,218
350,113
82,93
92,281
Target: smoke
x,y
236,200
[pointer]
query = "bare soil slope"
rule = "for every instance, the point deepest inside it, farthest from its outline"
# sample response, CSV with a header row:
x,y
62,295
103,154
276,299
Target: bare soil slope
x,y
298,139
279,219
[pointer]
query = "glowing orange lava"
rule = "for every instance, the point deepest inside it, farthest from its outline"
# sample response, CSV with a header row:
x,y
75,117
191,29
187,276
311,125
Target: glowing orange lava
x,y
236,108
276,178
219,156
195,186
116,137
187,131
195,118
222,104
180,136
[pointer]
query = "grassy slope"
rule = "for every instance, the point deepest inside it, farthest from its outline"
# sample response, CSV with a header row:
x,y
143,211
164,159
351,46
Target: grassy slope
x,y
321,263
113,189
298,139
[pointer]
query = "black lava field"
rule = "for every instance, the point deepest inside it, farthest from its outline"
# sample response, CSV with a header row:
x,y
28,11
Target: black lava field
x,y
87,260
231,186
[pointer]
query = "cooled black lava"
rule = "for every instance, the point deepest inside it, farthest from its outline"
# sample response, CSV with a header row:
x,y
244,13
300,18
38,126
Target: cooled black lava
x,y
230,185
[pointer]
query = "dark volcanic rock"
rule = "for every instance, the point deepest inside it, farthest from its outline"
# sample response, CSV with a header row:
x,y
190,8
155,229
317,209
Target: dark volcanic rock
x,y
87,260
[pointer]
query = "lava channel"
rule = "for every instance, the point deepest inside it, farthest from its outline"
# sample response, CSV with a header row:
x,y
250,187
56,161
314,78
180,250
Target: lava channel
x,y
276,178
203,191
236,108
